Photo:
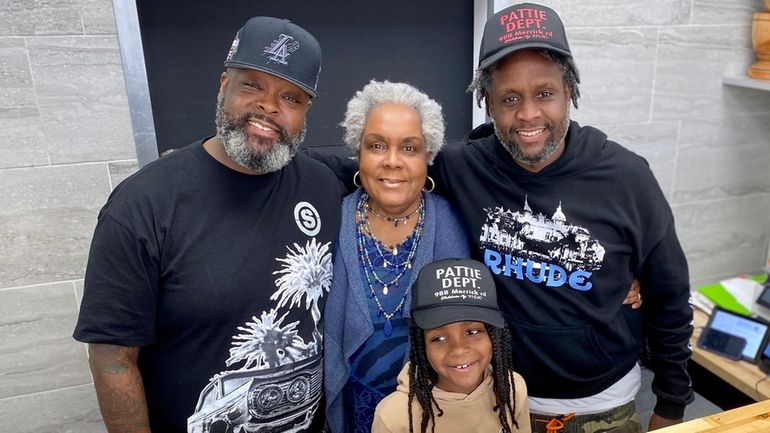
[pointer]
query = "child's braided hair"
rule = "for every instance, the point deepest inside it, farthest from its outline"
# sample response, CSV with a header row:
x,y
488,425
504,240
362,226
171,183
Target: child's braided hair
x,y
422,379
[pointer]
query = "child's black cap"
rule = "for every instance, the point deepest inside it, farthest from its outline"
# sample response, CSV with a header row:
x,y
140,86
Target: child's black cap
x,y
455,290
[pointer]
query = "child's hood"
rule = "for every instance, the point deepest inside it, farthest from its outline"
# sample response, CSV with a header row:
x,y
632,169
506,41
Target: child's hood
x,y
403,380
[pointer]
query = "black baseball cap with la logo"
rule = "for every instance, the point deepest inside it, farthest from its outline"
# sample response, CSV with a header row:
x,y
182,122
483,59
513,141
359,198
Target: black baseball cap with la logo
x,y
455,290
519,27
279,47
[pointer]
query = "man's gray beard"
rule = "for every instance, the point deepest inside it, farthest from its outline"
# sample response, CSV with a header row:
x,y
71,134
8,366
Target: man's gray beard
x,y
232,134
508,140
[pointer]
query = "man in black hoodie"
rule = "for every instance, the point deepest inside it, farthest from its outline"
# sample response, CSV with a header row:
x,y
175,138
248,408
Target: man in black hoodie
x,y
565,219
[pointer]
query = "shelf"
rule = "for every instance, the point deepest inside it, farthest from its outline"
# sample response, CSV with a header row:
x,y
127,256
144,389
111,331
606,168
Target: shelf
x,y
744,81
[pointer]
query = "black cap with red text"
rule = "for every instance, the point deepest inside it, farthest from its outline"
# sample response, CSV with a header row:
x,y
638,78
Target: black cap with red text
x,y
455,290
278,47
522,26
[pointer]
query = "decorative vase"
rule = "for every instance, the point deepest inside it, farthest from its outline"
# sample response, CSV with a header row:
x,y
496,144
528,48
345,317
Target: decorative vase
x,y
760,41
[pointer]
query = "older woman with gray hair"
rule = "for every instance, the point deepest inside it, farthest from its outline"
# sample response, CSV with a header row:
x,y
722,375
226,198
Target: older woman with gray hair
x,y
391,226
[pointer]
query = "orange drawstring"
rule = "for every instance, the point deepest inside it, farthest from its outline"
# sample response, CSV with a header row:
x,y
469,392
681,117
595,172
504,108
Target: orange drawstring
x,y
556,424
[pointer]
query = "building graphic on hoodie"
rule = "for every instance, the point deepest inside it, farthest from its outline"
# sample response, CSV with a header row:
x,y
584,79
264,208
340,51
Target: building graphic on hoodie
x,y
528,245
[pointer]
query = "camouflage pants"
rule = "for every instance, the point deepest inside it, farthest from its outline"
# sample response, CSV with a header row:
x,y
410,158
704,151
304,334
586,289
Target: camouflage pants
x,y
622,419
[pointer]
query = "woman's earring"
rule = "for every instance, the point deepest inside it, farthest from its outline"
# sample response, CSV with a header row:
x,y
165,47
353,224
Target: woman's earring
x,y
432,185
358,173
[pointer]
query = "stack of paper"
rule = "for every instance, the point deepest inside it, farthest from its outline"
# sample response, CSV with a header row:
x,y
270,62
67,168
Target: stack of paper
x,y
737,294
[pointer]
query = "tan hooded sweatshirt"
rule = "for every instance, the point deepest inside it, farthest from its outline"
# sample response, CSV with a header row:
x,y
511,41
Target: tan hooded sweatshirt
x,y
471,413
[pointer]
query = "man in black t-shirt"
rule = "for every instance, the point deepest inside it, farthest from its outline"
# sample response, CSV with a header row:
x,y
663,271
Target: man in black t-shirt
x,y
209,268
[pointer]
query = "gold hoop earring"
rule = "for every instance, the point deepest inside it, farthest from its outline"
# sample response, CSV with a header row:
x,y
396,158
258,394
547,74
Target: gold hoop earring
x,y
432,185
358,173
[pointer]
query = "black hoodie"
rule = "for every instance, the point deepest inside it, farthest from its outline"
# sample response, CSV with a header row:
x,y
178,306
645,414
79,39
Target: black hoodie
x,y
564,245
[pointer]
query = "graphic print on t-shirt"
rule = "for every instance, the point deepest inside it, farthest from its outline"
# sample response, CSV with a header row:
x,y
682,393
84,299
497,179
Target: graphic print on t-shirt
x,y
532,246
278,382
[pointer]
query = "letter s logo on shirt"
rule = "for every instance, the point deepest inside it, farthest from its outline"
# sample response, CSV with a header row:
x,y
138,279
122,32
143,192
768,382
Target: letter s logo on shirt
x,y
307,218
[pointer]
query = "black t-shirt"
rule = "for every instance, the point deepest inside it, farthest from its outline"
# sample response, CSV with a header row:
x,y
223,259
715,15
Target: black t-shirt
x,y
220,278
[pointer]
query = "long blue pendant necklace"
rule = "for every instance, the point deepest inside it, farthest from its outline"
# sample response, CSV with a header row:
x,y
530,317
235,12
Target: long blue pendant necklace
x,y
399,268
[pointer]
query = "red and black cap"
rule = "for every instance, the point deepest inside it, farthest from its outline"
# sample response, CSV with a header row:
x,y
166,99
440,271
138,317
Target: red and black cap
x,y
519,27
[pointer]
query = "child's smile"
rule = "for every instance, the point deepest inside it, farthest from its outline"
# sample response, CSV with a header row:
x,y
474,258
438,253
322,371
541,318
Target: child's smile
x,y
459,353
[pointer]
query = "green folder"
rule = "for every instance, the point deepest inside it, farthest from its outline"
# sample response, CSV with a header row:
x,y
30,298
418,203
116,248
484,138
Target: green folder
x,y
720,296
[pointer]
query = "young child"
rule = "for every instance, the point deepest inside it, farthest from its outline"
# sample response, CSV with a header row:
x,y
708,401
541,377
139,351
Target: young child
x,y
459,378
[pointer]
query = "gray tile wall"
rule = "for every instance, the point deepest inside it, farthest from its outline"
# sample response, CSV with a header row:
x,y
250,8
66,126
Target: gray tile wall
x,y
65,141
651,78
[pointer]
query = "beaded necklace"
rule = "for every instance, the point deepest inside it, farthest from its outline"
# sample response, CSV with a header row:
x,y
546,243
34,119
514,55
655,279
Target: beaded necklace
x,y
395,220
363,229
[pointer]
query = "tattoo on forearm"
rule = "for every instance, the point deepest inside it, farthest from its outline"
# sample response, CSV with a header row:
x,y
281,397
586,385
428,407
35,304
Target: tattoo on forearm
x,y
120,390
116,368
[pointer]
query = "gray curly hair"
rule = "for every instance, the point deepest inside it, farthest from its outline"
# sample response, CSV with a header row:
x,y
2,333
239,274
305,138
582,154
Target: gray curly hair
x,y
384,92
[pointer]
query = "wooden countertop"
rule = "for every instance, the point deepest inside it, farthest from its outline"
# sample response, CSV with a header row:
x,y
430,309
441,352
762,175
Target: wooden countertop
x,y
754,418
744,376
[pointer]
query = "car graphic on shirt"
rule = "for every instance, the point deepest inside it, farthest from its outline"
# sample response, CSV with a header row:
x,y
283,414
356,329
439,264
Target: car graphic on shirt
x,y
283,398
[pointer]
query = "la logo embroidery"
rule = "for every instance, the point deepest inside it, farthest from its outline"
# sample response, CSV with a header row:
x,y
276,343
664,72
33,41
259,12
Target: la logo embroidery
x,y
281,48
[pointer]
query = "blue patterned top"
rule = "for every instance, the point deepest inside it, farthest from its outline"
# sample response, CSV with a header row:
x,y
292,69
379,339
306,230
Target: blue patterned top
x,y
375,366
